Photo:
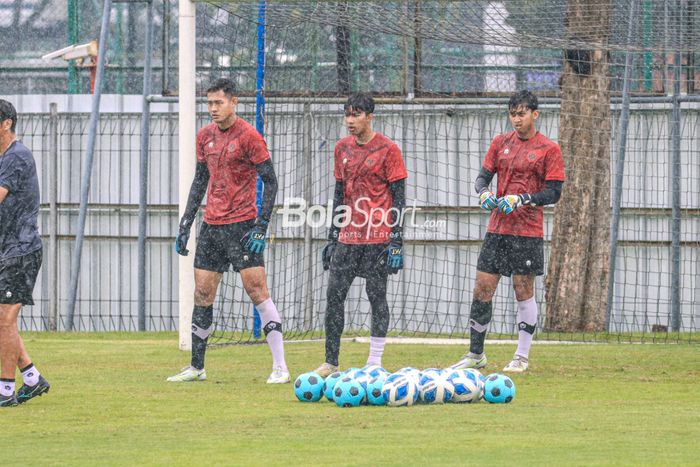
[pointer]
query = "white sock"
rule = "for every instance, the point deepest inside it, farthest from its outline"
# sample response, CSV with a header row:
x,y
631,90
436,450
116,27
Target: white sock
x,y
273,333
7,387
527,317
30,375
376,350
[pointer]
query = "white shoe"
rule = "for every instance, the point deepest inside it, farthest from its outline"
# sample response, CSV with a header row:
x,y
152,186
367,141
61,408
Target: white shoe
x,y
326,370
470,360
189,373
517,365
278,376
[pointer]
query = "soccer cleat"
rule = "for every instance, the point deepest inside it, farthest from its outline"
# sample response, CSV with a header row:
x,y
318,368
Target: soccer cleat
x,y
27,392
326,370
470,360
517,365
189,373
278,376
8,401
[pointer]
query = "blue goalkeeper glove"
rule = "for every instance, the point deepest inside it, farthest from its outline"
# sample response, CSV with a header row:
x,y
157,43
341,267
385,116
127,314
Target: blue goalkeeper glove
x,y
488,200
510,203
394,253
254,239
181,240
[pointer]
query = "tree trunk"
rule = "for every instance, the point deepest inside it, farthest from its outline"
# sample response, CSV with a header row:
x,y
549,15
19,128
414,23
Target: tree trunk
x,y
577,276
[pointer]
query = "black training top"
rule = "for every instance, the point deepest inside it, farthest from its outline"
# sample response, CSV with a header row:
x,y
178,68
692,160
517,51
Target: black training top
x,y
19,232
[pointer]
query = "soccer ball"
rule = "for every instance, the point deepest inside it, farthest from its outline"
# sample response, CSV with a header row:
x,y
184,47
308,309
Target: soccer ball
x,y
479,378
329,384
348,392
435,389
375,396
362,378
466,389
308,387
400,391
375,370
411,372
352,372
499,389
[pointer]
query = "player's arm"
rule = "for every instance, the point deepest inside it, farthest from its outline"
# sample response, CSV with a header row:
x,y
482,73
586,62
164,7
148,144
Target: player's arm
x,y
395,247
549,195
194,200
487,199
254,240
334,231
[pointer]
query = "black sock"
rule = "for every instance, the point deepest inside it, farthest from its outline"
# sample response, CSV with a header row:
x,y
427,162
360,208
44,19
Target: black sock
x,y
202,317
479,318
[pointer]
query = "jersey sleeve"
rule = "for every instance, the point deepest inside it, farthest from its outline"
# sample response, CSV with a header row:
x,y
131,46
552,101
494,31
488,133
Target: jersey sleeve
x,y
394,168
200,147
337,164
256,148
491,162
554,169
12,168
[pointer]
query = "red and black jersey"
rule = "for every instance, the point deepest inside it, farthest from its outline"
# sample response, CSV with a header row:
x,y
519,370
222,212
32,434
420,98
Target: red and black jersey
x,y
366,172
523,166
231,156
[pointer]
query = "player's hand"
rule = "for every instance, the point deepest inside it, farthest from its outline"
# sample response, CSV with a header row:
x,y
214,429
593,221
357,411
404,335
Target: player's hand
x,y
510,203
254,239
327,254
488,200
394,253
181,241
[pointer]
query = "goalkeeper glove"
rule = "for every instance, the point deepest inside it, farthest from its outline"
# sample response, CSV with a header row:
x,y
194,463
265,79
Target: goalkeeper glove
x,y
394,253
327,253
510,203
254,239
182,237
488,200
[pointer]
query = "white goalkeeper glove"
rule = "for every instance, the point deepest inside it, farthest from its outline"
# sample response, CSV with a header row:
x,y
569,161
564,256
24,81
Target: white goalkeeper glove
x,y
510,203
488,200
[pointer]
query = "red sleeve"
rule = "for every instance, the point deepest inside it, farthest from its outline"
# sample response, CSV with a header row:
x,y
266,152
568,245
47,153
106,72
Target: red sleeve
x,y
200,148
337,164
554,164
257,148
491,162
394,168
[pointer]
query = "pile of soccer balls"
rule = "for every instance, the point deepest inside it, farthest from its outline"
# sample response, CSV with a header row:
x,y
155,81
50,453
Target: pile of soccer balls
x,y
373,385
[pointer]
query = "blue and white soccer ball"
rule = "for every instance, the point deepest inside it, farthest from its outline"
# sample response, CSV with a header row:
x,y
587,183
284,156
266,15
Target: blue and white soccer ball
x,y
348,392
435,389
499,389
375,370
411,372
466,389
375,396
400,391
479,378
329,384
308,387
362,378
352,372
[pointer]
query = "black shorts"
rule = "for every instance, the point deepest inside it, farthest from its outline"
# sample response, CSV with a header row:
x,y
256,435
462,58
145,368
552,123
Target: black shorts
x,y
509,254
219,246
17,278
368,261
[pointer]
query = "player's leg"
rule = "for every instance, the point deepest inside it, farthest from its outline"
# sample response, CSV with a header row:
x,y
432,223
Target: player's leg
x,y
33,382
488,274
376,275
9,352
342,273
210,262
255,283
528,260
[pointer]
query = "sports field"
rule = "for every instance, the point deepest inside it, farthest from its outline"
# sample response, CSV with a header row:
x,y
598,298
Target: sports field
x,y
580,405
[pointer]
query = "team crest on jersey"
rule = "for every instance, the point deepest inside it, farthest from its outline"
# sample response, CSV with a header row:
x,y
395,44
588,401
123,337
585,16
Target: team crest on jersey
x,y
231,147
370,161
531,157
345,160
506,151
211,144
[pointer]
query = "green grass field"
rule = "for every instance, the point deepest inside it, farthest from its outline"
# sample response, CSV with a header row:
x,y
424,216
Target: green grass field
x,y
580,405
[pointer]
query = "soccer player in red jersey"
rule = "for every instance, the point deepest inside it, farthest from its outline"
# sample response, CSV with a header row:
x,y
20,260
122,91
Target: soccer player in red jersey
x,y
530,172
230,155
365,239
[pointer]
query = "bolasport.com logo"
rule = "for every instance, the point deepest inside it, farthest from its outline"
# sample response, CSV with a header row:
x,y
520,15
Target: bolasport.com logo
x,y
357,219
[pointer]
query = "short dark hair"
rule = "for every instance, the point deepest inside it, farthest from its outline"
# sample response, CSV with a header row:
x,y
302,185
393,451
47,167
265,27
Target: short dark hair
x,y
362,101
223,84
7,111
523,98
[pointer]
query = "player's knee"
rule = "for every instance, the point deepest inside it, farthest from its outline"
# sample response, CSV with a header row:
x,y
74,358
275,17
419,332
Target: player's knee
x,y
203,296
